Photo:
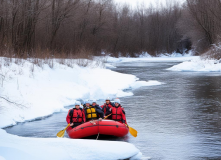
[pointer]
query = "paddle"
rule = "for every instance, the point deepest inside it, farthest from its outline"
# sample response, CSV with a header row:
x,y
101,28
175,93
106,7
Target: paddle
x,y
107,116
61,133
132,131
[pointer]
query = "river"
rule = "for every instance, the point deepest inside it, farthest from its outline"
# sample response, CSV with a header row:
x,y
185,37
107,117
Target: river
x,y
179,120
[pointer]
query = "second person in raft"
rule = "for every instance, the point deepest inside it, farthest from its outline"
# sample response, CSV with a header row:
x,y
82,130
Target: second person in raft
x,y
93,112
76,116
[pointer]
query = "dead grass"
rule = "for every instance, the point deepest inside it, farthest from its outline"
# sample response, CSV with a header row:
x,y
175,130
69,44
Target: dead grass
x,y
213,53
82,57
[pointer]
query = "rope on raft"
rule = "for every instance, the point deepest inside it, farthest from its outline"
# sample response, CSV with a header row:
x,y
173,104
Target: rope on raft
x,y
98,131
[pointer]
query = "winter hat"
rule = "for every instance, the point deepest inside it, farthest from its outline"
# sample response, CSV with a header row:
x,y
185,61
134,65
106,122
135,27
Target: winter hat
x,y
87,101
94,101
108,99
117,101
77,103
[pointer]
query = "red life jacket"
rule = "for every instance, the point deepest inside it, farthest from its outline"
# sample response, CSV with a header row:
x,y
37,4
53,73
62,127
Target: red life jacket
x,y
117,114
76,115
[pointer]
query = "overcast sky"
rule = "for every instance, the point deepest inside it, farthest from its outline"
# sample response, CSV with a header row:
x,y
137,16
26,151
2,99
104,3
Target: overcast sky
x,y
133,3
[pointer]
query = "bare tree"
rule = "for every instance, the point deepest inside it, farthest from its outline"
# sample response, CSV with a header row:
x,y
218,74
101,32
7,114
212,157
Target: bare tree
x,y
201,23
60,10
81,28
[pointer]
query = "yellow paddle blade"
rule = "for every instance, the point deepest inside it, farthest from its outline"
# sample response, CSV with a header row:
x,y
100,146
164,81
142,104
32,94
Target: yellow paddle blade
x,y
132,131
61,133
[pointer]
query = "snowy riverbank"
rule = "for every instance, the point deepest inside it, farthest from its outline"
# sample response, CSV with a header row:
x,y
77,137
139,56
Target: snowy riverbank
x,y
22,148
198,65
188,62
176,57
44,90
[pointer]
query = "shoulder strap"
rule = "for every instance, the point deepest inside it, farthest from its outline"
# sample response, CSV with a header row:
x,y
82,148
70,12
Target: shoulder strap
x,y
122,110
71,114
105,108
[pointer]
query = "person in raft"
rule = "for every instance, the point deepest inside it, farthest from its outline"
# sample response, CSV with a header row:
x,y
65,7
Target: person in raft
x,y
94,104
106,107
93,112
117,112
76,116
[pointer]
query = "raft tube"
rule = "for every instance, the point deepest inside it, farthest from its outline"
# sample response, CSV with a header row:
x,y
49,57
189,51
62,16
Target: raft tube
x,y
104,127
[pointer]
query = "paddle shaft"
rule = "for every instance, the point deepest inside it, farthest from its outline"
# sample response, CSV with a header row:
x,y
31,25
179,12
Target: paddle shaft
x,y
67,126
107,116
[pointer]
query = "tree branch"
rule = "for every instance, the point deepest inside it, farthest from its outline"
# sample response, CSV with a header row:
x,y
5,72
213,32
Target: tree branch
x,y
2,75
17,104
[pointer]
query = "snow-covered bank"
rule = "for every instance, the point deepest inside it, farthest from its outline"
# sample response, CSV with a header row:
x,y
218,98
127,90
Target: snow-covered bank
x,y
161,58
13,147
198,65
44,90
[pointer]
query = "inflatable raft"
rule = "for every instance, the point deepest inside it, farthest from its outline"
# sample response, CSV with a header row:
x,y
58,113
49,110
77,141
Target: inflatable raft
x,y
104,127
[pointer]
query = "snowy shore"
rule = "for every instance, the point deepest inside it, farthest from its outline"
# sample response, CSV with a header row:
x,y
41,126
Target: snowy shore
x,y
41,91
188,63
176,57
22,148
198,65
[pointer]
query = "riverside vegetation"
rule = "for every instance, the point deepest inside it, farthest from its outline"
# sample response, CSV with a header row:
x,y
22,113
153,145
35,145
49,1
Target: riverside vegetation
x,y
85,28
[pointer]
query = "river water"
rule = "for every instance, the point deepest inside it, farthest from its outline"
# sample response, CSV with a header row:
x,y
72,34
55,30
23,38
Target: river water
x,y
179,120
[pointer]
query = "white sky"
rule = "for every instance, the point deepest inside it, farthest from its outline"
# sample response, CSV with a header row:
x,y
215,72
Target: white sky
x,y
134,3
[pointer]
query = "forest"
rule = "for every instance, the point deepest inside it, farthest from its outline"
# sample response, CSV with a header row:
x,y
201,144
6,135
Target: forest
x,y
84,28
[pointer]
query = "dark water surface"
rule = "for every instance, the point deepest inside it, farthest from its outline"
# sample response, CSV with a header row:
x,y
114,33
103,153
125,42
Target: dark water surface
x,y
179,120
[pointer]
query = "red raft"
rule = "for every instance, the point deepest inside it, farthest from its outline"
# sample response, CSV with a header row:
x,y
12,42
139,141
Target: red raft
x,y
104,127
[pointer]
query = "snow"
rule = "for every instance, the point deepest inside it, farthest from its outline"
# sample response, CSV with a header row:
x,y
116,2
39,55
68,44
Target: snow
x,y
47,90
144,83
15,147
198,65
1,158
175,57
145,55
109,65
